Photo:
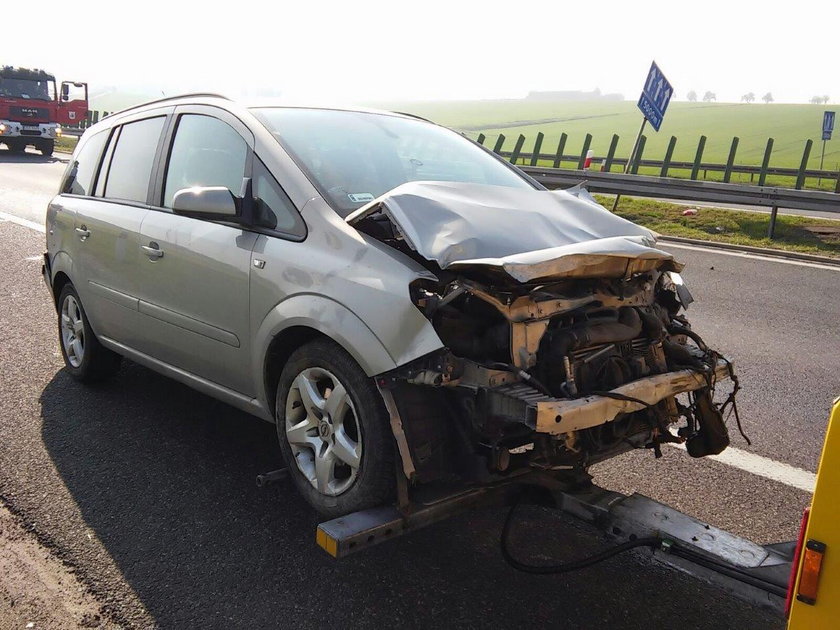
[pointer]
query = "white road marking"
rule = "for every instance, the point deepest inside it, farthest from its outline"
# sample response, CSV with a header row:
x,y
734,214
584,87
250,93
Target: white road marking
x,y
24,222
764,467
727,252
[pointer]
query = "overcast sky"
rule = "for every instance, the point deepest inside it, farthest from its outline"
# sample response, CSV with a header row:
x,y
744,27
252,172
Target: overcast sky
x,y
366,50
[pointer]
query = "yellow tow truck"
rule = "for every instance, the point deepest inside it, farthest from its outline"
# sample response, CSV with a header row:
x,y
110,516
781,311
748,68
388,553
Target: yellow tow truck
x,y
813,600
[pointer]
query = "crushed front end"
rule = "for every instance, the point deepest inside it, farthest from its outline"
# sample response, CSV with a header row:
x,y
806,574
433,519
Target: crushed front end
x,y
553,358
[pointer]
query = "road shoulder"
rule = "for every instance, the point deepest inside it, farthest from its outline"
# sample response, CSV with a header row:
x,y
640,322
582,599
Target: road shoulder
x,y
36,589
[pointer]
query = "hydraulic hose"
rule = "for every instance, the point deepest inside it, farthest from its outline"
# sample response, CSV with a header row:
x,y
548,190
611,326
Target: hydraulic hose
x,y
573,565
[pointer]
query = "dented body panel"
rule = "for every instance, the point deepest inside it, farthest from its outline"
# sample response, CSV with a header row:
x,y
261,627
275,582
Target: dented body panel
x,y
530,235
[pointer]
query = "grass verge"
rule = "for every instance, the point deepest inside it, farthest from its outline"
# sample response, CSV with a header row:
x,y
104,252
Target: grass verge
x,y
66,143
740,227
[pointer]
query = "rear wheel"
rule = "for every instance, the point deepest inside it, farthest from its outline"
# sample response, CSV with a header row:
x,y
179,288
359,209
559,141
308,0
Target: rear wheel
x,y
333,431
84,357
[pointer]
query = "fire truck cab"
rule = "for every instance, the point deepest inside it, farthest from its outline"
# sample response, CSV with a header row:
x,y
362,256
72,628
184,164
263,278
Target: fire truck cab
x,y
32,110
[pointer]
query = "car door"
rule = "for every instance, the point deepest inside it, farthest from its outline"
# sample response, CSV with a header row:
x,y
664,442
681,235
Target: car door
x,y
194,273
107,228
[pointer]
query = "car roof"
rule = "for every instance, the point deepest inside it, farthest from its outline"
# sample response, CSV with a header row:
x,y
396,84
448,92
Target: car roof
x,y
219,100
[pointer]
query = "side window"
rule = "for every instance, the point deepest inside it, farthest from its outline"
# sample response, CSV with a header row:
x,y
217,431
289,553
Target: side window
x,y
131,162
272,207
206,152
79,177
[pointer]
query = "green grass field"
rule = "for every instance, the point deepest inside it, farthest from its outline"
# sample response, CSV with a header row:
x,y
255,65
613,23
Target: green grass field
x,y
789,125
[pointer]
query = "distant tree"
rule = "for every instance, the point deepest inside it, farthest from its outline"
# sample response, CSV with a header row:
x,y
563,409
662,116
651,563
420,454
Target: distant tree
x,y
767,98
749,97
709,96
692,96
816,100
825,99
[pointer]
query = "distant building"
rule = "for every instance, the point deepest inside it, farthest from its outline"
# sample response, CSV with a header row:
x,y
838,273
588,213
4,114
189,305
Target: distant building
x,y
573,95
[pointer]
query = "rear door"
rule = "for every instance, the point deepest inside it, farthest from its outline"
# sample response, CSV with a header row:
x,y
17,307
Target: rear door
x,y
107,228
194,273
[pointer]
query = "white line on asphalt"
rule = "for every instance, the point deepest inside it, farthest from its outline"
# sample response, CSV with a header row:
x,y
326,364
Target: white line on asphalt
x,y
765,467
24,222
726,252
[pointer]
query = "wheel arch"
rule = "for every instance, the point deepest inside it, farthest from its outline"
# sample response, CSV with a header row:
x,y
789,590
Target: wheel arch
x,y
301,319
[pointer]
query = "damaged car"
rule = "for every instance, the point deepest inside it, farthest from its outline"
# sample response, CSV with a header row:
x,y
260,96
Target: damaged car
x,y
410,310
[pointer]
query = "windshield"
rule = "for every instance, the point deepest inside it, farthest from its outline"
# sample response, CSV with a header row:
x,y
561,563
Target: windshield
x,y
30,89
354,157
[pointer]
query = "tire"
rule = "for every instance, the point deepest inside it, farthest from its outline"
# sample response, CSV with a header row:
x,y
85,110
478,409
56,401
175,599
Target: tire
x,y
85,358
47,148
16,146
321,441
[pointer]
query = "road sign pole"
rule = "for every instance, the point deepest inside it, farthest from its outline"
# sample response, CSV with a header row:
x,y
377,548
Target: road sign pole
x,y
822,159
632,157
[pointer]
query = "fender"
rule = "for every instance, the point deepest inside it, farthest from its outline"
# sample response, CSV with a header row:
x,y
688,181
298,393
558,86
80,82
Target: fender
x,y
328,317
61,262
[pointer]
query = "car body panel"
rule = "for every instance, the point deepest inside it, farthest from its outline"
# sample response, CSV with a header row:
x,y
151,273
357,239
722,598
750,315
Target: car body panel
x,y
194,300
105,265
344,284
528,234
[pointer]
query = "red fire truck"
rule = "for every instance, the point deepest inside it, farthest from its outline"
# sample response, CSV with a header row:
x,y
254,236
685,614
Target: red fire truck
x,y
32,111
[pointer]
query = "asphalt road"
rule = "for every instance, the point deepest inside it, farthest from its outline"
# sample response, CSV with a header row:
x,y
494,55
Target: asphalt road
x,y
146,487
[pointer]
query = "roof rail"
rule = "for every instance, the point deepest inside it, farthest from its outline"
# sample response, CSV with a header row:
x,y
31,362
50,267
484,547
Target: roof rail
x,y
172,98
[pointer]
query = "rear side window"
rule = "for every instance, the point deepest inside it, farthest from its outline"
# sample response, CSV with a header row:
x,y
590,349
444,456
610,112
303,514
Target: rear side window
x,y
79,177
206,152
131,163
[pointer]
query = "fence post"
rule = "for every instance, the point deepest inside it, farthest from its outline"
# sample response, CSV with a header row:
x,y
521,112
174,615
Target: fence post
x,y
637,159
516,149
481,138
765,163
771,230
669,153
698,157
610,154
587,140
800,178
535,156
500,141
727,174
561,146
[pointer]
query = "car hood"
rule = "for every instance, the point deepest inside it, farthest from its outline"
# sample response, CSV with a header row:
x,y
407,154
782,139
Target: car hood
x,y
527,234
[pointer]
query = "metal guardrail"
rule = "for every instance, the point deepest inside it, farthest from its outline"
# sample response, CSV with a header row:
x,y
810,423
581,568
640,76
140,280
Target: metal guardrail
x,y
690,190
779,171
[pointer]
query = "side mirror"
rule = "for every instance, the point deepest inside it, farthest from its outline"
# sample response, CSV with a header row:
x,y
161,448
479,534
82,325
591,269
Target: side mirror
x,y
209,201
65,92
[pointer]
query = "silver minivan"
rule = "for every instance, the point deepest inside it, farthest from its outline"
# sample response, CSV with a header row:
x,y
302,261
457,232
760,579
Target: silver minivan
x,y
408,308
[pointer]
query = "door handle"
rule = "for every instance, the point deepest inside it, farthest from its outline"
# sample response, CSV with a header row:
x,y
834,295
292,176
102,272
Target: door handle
x,y
83,233
152,250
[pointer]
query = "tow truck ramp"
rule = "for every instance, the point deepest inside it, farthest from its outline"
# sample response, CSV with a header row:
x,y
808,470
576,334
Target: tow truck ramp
x,y
756,573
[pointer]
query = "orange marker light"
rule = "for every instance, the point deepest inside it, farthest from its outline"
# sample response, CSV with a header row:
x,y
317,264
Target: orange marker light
x,y
810,577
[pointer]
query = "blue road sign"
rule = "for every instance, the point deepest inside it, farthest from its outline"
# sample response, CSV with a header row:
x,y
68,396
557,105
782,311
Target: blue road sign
x,y
655,96
828,125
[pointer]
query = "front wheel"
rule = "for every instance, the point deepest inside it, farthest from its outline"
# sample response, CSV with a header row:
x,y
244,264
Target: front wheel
x,y
47,148
85,358
334,432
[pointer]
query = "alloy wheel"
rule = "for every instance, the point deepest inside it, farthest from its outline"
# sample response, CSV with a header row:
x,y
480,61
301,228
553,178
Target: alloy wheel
x,y
72,331
323,431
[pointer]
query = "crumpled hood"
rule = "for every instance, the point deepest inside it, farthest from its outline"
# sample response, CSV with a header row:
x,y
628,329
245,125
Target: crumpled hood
x,y
529,234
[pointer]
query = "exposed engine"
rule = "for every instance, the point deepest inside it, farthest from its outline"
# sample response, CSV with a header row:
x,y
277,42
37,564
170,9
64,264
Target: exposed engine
x,y
556,374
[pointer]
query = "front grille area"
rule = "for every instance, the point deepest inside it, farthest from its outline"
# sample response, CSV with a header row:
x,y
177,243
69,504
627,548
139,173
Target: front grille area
x,y
29,113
